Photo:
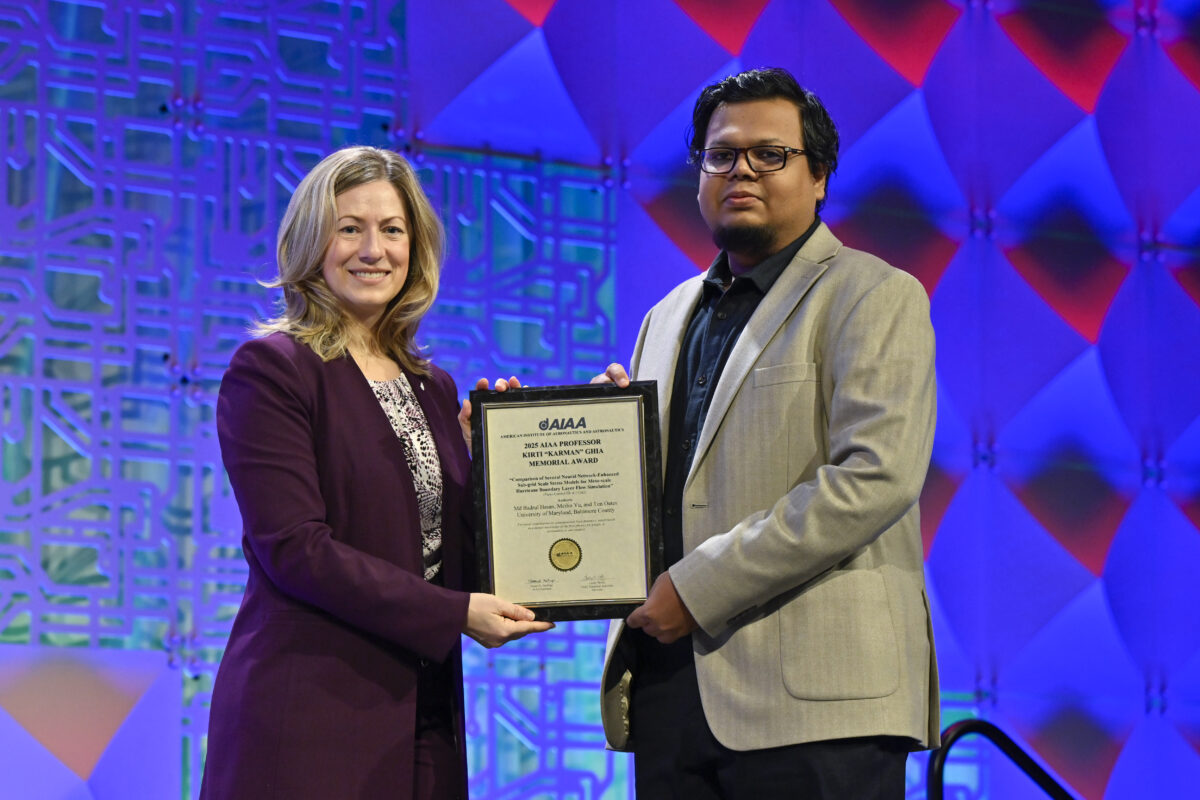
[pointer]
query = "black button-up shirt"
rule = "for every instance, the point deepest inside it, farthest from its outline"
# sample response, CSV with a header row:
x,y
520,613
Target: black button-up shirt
x,y
717,322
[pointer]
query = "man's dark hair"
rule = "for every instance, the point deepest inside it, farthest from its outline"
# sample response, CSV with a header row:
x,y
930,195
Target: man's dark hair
x,y
820,134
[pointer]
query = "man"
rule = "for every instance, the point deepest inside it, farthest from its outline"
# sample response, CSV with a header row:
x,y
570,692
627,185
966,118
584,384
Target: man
x,y
787,652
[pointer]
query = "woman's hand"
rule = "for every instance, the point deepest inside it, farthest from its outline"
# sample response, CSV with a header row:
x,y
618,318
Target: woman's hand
x,y
493,622
464,414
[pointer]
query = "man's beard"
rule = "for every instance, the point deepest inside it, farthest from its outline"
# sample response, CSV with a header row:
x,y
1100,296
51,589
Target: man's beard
x,y
750,240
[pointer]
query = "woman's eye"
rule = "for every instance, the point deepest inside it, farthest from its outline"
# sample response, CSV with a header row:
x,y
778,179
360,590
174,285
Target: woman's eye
x,y
348,229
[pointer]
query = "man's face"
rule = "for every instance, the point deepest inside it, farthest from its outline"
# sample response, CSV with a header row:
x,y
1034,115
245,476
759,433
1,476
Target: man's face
x,y
751,214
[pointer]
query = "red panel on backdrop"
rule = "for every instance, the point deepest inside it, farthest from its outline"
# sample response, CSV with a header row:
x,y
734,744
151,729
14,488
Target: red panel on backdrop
x,y
890,223
1073,45
533,10
1076,505
727,21
906,34
1066,263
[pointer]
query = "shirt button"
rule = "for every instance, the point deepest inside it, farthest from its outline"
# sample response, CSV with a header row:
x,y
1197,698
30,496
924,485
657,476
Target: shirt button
x,y
721,315
687,445
670,512
703,379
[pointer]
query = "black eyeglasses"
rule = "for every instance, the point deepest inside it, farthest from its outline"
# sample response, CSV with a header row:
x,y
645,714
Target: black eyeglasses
x,y
761,158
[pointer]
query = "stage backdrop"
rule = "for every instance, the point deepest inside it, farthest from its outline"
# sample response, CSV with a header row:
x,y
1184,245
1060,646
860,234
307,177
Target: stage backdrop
x,y
1035,164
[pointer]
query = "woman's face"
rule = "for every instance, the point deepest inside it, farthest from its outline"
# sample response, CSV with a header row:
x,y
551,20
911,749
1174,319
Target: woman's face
x,y
366,262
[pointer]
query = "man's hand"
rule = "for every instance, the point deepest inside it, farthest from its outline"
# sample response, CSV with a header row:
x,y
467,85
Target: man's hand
x,y
663,615
614,374
492,621
464,413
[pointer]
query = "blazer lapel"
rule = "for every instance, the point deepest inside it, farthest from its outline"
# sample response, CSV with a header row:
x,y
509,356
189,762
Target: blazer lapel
x,y
774,310
354,389
660,353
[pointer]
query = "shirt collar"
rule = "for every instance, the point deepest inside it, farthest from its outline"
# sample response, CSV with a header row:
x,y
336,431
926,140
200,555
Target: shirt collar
x,y
763,274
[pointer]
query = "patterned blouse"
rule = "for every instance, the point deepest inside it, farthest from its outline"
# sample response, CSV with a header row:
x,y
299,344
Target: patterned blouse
x,y
408,421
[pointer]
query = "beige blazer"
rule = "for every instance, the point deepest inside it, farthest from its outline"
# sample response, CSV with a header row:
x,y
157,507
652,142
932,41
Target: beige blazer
x,y
803,560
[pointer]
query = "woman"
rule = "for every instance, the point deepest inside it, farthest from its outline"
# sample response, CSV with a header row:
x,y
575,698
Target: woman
x,y
342,677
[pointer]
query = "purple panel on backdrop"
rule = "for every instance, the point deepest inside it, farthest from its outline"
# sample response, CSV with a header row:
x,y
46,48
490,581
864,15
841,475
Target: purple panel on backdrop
x,y
626,66
993,111
950,464
1070,238
665,185
1077,407
999,575
663,152
1180,34
1182,475
1148,348
144,754
893,195
450,44
1181,246
940,487
952,444
30,770
1074,171
998,342
1180,702
1184,225
517,105
1156,763
1148,116
1071,461
1078,658
825,54
1074,693
902,148
108,719
1151,585
956,667
1186,9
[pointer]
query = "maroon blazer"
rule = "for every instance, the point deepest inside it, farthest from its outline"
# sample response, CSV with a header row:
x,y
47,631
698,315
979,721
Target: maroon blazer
x,y
316,694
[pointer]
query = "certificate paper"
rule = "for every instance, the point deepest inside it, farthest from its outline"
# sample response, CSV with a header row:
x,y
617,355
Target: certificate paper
x,y
568,490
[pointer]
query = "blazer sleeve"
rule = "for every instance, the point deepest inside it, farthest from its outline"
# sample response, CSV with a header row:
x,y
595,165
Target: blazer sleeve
x,y
267,445
880,360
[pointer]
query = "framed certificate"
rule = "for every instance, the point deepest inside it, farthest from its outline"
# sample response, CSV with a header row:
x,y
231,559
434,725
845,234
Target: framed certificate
x,y
568,490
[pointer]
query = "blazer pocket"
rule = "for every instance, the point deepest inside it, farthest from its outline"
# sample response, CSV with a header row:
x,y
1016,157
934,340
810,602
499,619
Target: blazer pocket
x,y
785,373
838,640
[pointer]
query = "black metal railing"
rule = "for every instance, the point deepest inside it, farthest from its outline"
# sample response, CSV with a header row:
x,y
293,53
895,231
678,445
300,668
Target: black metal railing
x,y
937,759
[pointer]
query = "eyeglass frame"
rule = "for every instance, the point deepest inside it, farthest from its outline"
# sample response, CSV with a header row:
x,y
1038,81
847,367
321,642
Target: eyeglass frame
x,y
739,152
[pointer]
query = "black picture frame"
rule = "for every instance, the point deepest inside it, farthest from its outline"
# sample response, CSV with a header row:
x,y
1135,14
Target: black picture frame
x,y
540,482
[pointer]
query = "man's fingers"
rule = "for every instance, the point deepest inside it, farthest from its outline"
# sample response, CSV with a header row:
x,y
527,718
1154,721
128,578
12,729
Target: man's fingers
x,y
615,373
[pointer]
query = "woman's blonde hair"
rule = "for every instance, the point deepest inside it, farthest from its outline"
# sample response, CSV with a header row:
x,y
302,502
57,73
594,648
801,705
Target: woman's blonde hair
x,y
310,311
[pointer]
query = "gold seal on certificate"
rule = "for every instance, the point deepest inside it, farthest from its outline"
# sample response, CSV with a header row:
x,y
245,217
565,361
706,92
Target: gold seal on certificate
x,y
565,554
568,490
